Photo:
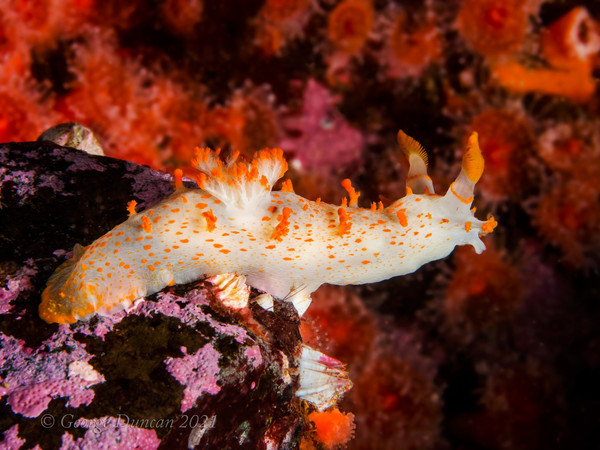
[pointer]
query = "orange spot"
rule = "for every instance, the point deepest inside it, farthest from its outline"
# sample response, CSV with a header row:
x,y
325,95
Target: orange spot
x,y
175,210
225,251
147,247
366,262
151,267
467,226
201,205
184,241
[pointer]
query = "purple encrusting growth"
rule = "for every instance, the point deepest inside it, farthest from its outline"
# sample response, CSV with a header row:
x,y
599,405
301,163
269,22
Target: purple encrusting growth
x,y
253,354
106,433
325,139
145,187
15,284
55,369
24,181
198,372
190,314
11,438
81,163
27,182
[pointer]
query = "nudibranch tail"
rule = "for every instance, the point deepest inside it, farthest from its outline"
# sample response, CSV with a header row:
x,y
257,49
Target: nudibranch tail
x,y
60,302
417,180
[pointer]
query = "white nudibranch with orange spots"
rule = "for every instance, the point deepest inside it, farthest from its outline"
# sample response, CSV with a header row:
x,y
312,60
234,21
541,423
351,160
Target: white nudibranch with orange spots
x,y
282,243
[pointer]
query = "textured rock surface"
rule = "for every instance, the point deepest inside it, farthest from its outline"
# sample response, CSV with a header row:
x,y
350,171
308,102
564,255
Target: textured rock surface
x,y
173,372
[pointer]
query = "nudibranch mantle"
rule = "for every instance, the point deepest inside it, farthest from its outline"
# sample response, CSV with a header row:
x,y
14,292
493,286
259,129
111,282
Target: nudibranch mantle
x,y
281,242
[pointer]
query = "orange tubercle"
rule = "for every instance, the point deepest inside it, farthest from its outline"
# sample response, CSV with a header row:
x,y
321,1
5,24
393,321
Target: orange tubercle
x,y
345,223
146,224
489,225
177,175
347,184
282,228
287,186
211,220
131,207
402,217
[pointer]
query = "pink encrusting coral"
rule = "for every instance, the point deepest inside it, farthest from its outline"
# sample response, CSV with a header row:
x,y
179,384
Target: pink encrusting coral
x,y
11,438
16,283
34,377
198,372
111,432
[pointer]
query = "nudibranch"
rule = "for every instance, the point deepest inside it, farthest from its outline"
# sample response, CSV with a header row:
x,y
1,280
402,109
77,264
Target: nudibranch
x,y
284,244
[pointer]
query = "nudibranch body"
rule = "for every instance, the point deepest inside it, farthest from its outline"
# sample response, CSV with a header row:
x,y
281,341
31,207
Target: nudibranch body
x,y
283,243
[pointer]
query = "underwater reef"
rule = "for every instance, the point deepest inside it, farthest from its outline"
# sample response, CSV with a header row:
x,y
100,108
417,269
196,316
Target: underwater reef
x,y
498,350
